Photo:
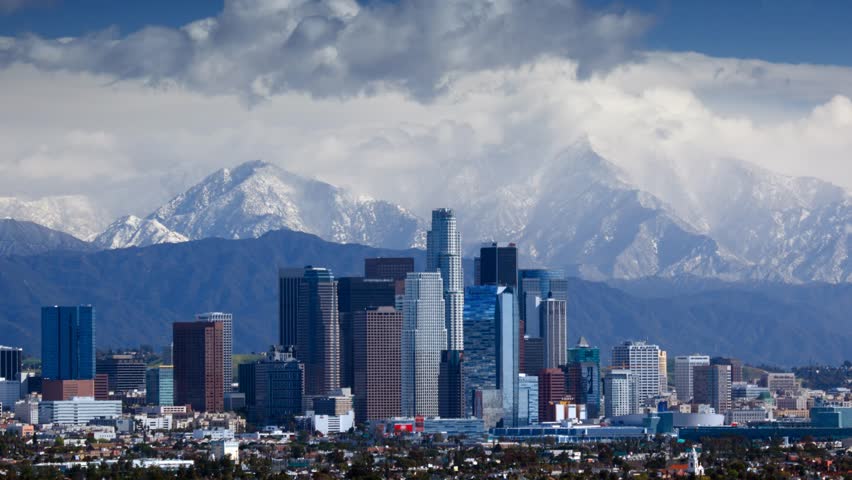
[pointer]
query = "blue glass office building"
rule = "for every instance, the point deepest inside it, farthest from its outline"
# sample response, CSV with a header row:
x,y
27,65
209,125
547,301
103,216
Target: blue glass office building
x,y
508,361
160,385
480,365
68,342
536,284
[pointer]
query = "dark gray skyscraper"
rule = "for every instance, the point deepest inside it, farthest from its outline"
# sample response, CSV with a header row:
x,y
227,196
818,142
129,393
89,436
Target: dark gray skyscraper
x,y
394,268
308,319
289,282
10,362
498,265
273,386
318,331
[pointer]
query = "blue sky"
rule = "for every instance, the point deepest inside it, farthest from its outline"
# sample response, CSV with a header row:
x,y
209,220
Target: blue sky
x,y
793,31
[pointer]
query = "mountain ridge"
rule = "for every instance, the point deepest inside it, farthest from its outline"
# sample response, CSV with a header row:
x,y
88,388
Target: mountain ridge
x,y
140,291
19,237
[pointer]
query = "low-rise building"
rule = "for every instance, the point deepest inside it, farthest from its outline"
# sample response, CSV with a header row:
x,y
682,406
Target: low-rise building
x,y
79,410
329,424
10,392
214,434
741,416
27,410
225,448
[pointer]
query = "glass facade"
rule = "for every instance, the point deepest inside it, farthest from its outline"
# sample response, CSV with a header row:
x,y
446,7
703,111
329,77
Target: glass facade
x,y
527,400
584,377
159,385
68,342
498,265
534,285
507,354
10,362
480,333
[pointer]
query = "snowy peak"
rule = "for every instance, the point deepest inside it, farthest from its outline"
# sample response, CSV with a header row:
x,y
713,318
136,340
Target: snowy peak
x,y
580,214
132,231
256,197
785,226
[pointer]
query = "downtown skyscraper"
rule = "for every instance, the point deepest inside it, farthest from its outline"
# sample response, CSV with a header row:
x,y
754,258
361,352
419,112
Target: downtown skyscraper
x,y
498,265
643,361
308,321
583,376
424,337
508,361
443,255
68,342
198,365
227,320
685,374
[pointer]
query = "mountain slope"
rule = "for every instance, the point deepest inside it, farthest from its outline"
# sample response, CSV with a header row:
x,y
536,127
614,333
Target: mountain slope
x,y
257,197
72,214
132,231
139,292
792,229
580,214
28,238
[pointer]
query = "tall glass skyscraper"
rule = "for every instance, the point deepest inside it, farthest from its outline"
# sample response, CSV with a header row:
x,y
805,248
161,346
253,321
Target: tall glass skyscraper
x,y
309,322
424,337
507,354
534,286
443,254
318,333
583,376
554,322
480,334
68,342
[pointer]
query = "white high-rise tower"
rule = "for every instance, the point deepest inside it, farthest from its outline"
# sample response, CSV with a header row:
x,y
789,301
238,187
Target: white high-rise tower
x,y
643,360
443,254
424,336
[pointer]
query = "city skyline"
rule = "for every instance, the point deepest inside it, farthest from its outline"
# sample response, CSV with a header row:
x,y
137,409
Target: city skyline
x,y
587,239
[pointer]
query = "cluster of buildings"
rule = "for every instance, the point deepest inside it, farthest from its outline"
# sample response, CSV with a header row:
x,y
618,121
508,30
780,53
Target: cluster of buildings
x,y
401,350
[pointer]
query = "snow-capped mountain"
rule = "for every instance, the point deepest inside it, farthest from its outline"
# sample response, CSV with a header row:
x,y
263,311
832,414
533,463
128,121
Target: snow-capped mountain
x,y
72,214
578,213
256,197
18,237
132,231
792,229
